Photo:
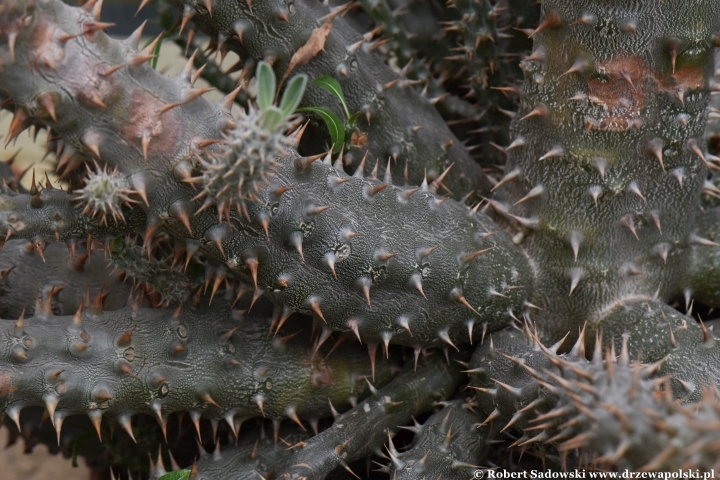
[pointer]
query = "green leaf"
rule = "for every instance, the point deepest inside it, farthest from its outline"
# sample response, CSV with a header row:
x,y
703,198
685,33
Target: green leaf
x,y
332,86
334,124
167,18
265,85
178,475
156,53
293,94
353,119
117,244
272,117
76,447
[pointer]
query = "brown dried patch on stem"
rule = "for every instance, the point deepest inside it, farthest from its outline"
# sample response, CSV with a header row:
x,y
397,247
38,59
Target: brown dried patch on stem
x,y
46,44
6,386
685,79
154,133
322,375
621,91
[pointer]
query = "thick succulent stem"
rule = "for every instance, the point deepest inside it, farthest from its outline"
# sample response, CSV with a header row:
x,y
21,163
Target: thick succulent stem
x,y
171,284
399,123
103,98
704,274
354,435
615,412
657,332
256,454
391,264
52,272
346,264
359,431
608,160
52,215
599,206
206,361
448,445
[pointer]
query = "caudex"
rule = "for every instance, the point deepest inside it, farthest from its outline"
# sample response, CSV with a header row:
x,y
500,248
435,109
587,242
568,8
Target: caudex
x,y
529,305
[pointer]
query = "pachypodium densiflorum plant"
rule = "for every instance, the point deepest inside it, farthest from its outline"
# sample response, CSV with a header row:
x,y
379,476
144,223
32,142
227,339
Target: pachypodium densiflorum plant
x,y
306,298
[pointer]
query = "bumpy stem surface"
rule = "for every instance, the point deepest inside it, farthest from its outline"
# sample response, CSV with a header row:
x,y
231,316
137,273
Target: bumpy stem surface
x,y
399,123
206,361
51,272
359,431
704,274
607,159
103,98
345,249
448,445
614,412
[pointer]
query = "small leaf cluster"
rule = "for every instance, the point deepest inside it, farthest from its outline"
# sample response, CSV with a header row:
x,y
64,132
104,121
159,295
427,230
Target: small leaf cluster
x,y
178,475
274,116
235,173
340,131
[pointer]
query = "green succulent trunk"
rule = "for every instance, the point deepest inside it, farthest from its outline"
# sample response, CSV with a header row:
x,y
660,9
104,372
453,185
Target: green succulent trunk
x,y
208,361
607,160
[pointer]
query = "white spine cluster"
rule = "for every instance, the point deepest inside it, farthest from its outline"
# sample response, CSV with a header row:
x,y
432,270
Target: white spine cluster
x,y
104,194
233,176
